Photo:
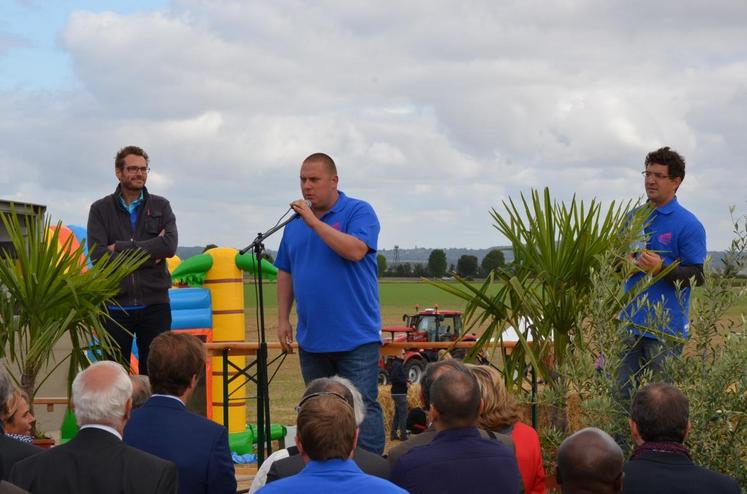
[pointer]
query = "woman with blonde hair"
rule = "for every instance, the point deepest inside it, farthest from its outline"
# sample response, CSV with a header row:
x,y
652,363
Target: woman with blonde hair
x,y
501,414
18,421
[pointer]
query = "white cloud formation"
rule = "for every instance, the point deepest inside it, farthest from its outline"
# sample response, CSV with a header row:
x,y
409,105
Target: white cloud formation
x,y
434,111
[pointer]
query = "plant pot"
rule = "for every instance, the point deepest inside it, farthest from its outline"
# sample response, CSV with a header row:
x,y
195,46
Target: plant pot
x,y
44,442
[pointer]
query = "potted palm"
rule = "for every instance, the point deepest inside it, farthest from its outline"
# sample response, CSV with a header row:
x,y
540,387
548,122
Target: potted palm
x,y
47,294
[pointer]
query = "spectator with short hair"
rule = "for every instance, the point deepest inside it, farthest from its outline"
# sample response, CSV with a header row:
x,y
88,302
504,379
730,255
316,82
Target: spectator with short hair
x,y
286,462
96,460
661,463
590,461
432,371
500,413
11,450
326,437
164,426
458,459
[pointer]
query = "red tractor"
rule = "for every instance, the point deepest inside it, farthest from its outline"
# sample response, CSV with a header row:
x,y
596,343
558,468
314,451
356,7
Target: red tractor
x,y
429,325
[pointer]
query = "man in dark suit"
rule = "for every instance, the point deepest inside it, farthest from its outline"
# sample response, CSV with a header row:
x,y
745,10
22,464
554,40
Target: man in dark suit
x,y
96,460
661,463
590,461
368,462
11,450
432,372
164,426
458,459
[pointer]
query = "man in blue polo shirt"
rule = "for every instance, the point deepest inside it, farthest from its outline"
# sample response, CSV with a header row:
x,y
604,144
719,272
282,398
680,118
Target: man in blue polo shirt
x,y
327,264
673,235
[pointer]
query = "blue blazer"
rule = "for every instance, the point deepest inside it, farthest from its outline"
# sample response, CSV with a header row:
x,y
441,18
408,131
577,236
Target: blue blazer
x,y
199,447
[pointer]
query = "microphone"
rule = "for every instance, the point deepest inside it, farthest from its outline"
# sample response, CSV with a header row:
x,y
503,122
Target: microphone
x,y
272,230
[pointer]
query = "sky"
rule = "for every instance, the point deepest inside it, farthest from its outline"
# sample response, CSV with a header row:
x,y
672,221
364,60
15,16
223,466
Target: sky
x,y
434,111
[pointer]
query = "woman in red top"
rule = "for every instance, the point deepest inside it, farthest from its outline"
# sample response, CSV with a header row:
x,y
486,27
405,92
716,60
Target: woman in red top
x,y
501,414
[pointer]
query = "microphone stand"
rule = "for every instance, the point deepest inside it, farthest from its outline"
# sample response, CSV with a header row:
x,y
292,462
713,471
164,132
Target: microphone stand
x,y
264,430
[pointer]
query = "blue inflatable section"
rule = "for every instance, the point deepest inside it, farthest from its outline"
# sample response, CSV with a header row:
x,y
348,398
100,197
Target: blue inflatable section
x,y
81,235
191,308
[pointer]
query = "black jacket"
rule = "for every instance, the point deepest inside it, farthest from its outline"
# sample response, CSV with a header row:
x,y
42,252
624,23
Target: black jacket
x,y
12,451
109,223
95,462
660,473
398,377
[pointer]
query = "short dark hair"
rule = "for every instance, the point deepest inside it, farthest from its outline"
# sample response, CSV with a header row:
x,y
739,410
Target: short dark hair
x,y
326,427
173,359
432,371
590,461
325,159
127,151
661,413
670,158
456,397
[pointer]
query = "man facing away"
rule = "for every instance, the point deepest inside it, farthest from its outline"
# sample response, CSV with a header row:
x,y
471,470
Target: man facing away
x,y
661,463
326,436
327,264
432,372
590,461
133,219
458,459
164,427
96,460
673,234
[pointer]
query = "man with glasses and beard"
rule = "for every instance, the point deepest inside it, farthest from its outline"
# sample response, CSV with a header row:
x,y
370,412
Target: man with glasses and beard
x,y
132,219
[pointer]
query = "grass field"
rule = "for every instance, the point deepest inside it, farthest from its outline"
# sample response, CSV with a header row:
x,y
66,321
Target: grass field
x,y
397,298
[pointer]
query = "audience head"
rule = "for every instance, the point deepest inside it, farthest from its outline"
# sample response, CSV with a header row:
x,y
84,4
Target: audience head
x,y
455,400
499,409
140,390
102,394
17,418
590,461
432,372
175,362
326,427
660,413
341,386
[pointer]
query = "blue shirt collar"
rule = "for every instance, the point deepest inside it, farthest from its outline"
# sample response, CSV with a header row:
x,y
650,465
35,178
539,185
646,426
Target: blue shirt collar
x,y
339,203
669,207
133,205
331,466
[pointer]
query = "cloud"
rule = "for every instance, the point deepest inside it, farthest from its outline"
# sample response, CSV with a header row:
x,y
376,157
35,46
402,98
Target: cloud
x,y
434,111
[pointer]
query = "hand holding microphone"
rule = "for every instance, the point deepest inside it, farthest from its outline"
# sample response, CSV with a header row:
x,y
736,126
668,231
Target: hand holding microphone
x,y
302,208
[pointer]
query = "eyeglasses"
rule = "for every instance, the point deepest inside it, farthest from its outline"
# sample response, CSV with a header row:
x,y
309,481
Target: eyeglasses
x,y
134,169
317,395
656,175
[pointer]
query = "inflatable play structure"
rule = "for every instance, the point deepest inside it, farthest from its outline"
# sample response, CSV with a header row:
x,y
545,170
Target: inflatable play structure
x,y
208,301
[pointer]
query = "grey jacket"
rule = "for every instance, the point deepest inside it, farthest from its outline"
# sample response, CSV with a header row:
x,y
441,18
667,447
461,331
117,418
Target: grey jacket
x,y
109,223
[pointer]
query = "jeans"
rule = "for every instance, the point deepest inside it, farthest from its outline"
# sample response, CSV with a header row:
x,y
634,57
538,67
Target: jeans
x,y
361,366
145,324
399,421
641,353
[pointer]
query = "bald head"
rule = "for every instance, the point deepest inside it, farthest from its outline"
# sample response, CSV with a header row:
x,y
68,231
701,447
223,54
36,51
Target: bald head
x,y
455,400
590,461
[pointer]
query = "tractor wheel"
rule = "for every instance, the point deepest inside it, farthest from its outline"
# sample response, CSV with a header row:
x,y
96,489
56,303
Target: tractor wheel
x,y
383,378
414,369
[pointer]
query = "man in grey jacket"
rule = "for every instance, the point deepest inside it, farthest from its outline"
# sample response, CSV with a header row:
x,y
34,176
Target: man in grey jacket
x,y
133,219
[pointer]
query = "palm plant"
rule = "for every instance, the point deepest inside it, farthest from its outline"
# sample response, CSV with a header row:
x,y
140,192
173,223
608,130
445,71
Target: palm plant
x,y
556,248
47,294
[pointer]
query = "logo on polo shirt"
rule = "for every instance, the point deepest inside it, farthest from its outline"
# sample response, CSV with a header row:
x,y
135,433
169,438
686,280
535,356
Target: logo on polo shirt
x,y
665,238
336,226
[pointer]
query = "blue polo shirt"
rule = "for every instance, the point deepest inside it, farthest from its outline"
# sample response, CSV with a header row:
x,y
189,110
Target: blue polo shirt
x,y
674,233
337,301
332,477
